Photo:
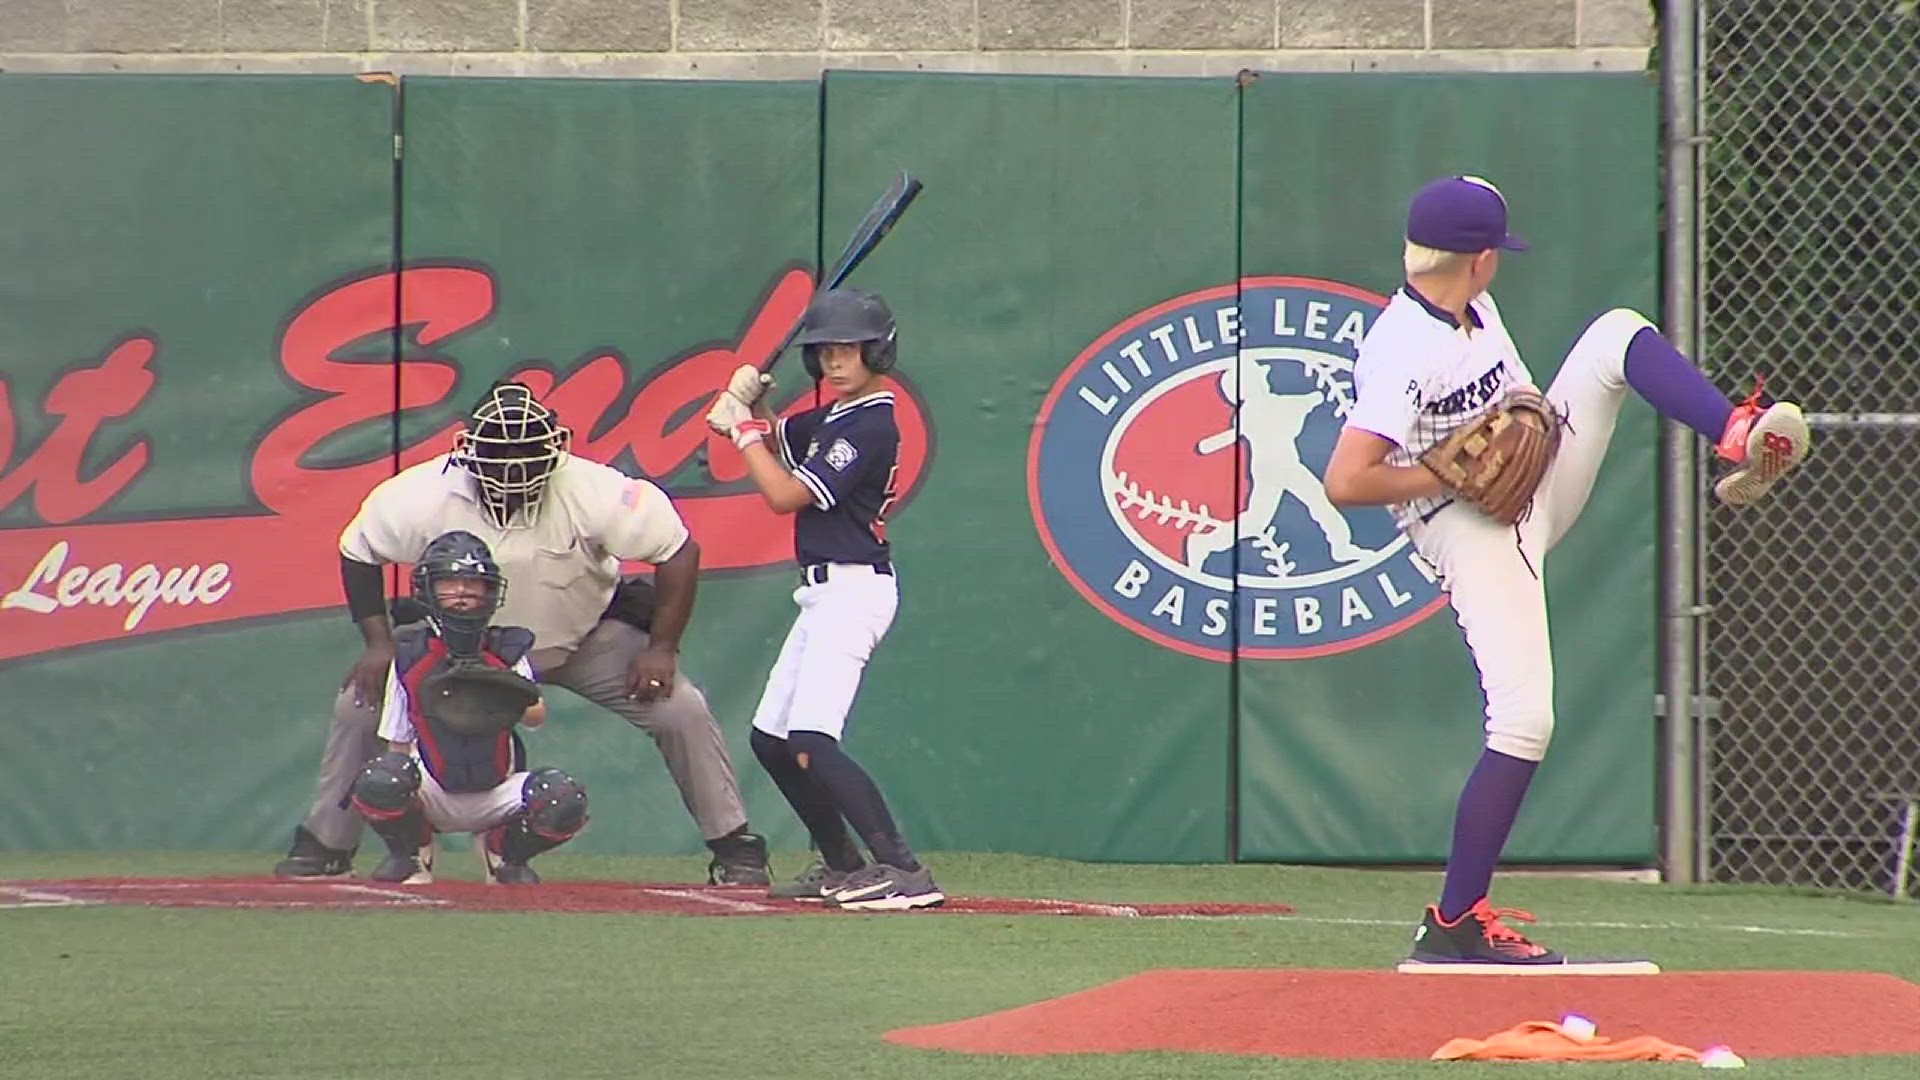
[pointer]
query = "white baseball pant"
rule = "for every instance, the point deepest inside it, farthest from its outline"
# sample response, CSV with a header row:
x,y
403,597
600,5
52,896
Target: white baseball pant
x,y
841,622
1493,572
470,811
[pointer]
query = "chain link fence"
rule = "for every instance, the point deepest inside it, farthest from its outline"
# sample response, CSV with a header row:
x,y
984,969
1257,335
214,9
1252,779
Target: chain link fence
x,y
1810,252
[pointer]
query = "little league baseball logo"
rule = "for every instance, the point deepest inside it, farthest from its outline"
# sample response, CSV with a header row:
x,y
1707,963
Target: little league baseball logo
x,y
1149,511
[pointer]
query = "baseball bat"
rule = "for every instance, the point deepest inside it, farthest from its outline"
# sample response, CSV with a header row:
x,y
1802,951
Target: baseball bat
x,y
866,237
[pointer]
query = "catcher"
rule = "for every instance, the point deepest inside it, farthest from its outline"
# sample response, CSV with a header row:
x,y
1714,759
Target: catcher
x,y
1485,475
454,763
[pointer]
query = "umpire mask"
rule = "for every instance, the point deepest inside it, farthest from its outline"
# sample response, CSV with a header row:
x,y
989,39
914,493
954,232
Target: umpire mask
x,y
512,445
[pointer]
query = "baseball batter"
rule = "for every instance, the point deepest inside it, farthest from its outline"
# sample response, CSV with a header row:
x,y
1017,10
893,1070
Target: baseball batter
x,y
1438,356
559,527
435,779
835,471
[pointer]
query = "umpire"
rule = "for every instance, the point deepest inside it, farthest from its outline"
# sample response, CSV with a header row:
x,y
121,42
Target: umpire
x,y
559,527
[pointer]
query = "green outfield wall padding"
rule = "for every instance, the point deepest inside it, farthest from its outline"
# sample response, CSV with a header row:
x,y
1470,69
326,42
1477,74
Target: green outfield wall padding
x,y
1127,313
1358,754
170,249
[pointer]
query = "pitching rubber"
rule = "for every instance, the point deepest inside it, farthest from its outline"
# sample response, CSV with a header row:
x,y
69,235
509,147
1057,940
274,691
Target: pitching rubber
x,y
1571,967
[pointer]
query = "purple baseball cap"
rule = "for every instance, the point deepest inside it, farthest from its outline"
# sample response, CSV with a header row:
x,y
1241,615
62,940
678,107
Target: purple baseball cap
x,y
1462,214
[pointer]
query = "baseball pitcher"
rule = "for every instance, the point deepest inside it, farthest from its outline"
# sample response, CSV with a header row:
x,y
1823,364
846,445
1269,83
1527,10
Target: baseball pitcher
x,y
1486,475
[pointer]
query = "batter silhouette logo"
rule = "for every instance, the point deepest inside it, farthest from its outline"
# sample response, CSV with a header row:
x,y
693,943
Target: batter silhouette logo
x,y
1174,475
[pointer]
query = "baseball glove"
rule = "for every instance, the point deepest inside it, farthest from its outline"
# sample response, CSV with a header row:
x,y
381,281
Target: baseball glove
x,y
1497,460
474,699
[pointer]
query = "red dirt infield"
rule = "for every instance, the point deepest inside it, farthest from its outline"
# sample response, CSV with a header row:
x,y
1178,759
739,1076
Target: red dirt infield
x,y
1384,1014
597,897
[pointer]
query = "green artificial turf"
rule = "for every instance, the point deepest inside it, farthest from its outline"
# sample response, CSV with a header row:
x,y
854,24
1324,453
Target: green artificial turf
x,y
158,994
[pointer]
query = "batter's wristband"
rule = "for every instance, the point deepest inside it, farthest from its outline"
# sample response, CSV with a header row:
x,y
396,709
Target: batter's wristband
x,y
366,593
750,431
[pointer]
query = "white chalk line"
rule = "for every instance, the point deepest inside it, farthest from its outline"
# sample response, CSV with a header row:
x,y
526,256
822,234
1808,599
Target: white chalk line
x,y
1028,906
1731,928
716,901
393,894
31,898
40,898
43,898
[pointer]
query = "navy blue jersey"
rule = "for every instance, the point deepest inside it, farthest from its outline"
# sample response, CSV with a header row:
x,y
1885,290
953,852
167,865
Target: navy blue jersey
x,y
847,454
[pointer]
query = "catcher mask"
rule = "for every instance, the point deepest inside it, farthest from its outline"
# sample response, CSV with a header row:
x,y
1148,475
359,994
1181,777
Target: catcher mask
x,y
511,447
461,587
849,316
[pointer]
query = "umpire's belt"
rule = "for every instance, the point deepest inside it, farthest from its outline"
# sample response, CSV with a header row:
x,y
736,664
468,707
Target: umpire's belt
x,y
816,573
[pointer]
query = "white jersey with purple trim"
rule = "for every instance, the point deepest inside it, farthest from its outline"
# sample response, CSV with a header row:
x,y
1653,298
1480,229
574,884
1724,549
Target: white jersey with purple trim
x,y
1420,374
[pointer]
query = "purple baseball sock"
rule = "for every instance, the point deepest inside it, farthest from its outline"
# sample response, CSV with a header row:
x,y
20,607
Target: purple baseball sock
x,y
1674,386
1488,806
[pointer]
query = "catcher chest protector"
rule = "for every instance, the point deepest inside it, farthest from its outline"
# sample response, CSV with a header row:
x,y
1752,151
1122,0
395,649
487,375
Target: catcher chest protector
x,y
849,316
459,763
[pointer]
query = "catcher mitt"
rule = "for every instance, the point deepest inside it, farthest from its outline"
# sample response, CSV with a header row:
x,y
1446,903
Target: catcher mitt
x,y
1497,460
472,698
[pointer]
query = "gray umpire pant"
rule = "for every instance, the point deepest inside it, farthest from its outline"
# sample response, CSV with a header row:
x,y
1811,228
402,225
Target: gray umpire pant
x,y
682,726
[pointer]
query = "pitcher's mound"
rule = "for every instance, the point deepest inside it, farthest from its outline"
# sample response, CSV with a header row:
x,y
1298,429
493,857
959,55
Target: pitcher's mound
x,y
1369,1014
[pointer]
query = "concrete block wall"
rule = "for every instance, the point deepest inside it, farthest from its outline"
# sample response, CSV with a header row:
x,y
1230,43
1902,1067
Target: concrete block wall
x,y
797,38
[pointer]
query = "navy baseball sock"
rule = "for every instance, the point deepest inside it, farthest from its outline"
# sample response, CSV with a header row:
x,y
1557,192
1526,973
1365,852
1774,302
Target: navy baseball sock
x,y
858,796
1674,387
1488,806
811,802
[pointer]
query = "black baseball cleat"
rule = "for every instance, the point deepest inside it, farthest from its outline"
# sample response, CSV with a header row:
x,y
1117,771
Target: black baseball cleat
x,y
404,870
308,857
1478,937
515,874
1481,943
814,885
739,858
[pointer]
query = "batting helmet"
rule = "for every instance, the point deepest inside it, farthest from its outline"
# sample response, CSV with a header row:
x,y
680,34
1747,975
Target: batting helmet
x,y
849,316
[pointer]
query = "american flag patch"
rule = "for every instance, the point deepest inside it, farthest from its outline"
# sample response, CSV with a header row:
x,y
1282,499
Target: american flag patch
x,y
630,496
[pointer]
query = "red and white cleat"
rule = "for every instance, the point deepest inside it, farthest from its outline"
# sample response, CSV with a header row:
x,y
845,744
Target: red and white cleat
x,y
1764,444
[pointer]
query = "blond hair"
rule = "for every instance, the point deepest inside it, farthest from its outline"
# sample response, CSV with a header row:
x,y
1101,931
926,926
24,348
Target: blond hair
x,y
1417,259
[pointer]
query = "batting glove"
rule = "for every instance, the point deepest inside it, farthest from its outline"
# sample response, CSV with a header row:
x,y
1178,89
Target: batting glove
x,y
730,418
749,384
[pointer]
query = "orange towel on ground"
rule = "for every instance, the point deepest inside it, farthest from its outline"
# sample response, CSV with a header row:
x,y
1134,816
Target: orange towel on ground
x,y
1542,1040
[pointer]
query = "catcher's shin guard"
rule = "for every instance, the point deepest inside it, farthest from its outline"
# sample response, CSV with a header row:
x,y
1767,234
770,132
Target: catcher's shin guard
x,y
555,812
556,804
406,832
387,794
514,843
